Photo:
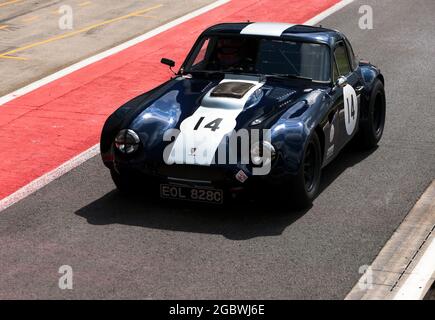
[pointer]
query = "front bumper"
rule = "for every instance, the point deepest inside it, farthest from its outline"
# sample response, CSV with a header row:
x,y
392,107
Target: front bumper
x,y
225,177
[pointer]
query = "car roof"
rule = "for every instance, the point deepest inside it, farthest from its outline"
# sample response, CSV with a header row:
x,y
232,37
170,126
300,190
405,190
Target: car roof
x,y
286,31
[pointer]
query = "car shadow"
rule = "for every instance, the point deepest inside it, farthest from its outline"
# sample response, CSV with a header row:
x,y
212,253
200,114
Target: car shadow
x,y
347,158
242,220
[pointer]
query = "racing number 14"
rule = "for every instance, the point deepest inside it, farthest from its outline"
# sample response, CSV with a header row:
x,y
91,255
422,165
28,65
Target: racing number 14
x,y
350,109
351,112
213,126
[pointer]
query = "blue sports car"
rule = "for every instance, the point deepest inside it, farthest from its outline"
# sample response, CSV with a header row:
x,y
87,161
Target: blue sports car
x,y
255,108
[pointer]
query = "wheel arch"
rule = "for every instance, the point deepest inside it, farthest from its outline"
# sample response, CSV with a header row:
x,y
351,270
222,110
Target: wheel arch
x,y
381,77
321,136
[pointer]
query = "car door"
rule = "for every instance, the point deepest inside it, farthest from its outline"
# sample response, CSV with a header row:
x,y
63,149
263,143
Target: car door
x,y
346,98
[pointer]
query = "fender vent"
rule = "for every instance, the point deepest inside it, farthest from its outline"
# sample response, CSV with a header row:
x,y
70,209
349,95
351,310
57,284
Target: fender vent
x,y
280,94
235,90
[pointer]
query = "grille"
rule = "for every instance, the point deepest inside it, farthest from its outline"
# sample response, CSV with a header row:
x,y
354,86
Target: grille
x,y
192,172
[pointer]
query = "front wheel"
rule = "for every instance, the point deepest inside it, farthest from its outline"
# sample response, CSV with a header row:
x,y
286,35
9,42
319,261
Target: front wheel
x,y
305,186
136,184
123,182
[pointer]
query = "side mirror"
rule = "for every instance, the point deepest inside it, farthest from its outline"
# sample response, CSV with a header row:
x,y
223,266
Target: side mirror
x,y
168,62
341,82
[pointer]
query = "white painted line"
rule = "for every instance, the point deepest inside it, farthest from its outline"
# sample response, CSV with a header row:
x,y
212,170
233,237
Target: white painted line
x,y
79,65
48,177
86,155
417,283
404,268
328,12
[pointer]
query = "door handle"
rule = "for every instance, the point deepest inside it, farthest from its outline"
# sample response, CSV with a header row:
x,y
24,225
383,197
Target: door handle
x,y
359,89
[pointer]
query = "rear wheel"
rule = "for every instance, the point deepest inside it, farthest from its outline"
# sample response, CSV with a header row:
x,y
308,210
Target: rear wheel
x,y
372,127
305,185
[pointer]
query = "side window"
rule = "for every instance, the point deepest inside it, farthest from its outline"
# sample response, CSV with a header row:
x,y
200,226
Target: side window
x,y
353,60
342,59
336,73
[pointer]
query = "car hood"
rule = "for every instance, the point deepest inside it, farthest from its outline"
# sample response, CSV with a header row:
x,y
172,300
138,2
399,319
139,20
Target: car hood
x,y
249,98
241,101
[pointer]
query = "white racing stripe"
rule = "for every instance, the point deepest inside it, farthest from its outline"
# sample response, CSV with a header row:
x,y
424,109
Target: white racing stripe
x,y
272,29
202,132
59,171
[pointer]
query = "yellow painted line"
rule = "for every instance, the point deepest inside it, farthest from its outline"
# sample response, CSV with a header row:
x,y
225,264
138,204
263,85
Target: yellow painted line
x,y
83,4
30,19
73,33
9,2
12,57
146,16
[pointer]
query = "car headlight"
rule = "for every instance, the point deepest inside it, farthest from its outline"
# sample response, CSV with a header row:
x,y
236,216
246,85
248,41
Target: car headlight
x,y
260,153
127,141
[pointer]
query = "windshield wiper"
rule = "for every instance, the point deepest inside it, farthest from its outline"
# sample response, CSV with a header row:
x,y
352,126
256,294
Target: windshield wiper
x,y
287,76
274,76
206,72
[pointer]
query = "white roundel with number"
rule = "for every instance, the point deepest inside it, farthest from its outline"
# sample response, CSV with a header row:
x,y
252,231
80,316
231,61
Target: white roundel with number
x,y
350,108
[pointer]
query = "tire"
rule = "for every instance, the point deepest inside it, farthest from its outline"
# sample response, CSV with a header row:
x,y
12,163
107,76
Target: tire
x,y
305,186
372,126
136,184
124,183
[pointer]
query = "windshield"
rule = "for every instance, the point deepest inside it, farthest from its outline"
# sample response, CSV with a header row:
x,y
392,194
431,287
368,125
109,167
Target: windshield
x,y
256,55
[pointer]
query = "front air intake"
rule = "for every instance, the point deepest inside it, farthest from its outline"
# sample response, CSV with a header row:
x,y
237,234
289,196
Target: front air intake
x,y
235,90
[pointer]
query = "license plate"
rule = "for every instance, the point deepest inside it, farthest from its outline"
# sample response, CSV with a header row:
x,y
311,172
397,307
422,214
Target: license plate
x,y
210,195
